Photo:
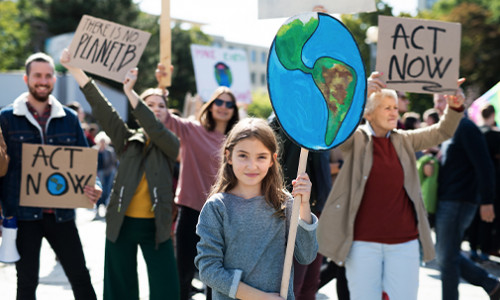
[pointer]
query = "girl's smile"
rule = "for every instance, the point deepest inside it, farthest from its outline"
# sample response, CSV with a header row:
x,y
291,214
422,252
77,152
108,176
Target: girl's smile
x,y
251,161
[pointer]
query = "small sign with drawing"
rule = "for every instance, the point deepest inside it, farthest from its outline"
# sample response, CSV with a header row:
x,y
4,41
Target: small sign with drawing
x,y
54,176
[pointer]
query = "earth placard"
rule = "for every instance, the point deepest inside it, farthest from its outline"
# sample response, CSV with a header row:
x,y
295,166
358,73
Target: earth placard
x,y
55,176
316,80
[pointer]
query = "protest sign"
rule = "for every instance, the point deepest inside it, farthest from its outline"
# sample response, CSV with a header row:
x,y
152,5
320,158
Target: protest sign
x,y
54,176
317,91
287,8
420,56
215,66
107,49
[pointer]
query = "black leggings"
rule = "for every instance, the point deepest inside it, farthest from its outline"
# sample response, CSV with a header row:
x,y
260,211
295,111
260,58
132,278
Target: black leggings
x,y
186,240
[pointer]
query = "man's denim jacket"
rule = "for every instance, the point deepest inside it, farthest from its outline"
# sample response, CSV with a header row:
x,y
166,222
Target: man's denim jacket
x,y
19,126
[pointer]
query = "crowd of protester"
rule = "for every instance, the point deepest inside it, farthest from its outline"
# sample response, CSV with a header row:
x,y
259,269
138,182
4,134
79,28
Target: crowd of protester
x,y
210,196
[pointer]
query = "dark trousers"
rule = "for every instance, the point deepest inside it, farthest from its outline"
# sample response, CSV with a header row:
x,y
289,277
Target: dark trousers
x,y
480,235
186,240
64,239
120,265
306,278
329,271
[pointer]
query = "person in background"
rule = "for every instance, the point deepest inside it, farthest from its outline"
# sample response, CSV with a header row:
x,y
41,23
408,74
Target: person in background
x,y
431,116
79,111
106,167
411,120
37,117
492,136
403,102
374,220
201,140
482,235
306,277
140,208
243,225
466,181
330,269
92,131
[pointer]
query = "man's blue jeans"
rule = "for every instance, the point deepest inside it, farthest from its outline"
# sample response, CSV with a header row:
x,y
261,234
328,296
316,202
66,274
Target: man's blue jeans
x,y
452,219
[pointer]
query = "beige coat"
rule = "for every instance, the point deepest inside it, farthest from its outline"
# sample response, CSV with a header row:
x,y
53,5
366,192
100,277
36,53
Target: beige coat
x,y
336,225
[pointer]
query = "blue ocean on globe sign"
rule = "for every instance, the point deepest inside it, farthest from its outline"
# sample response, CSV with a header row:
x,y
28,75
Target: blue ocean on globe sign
x,y
316,80
57,184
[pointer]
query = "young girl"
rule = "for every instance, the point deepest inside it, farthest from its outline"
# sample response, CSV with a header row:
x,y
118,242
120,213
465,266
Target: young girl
x,y
139,213
243,226
201,140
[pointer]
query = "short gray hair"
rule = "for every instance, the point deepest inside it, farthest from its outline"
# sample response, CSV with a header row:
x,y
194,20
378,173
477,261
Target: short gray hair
x,y
374,99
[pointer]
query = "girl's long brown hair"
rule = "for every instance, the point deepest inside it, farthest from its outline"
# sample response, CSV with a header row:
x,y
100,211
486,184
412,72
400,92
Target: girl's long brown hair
x,y
273,187
205,115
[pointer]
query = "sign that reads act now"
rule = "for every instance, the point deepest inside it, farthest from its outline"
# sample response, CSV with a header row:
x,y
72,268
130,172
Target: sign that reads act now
x,y
420,56
55,176
106,48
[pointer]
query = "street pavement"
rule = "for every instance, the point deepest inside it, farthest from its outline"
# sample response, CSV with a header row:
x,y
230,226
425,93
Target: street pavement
x,y
54,284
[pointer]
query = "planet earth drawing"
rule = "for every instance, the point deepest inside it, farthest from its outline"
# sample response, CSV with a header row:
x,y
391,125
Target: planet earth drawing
x,y
316,80
223,74
57,184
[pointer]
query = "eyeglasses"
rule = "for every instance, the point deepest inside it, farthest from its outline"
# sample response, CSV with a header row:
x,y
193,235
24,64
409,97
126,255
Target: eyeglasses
x,y
220,102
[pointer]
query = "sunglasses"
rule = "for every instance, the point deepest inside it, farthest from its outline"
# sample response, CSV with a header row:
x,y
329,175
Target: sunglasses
x,y
220,102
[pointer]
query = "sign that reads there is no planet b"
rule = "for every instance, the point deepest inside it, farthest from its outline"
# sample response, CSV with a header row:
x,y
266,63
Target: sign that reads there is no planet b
x,y
107,49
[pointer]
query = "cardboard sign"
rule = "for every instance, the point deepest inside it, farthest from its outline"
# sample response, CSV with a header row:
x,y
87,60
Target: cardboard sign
x,y
418,56
107,49
54,176
287,8
215,66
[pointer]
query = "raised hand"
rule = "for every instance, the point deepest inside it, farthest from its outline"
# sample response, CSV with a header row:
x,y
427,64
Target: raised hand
x,y
375,84
457,100
130,80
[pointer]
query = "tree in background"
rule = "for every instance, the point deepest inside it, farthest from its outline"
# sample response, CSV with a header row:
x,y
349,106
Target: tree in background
x,y
25,24
480,51
260,106
14,36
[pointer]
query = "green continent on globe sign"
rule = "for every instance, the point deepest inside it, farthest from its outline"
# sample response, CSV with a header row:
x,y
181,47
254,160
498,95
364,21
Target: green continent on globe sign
x,y
290,40
337,82
335,79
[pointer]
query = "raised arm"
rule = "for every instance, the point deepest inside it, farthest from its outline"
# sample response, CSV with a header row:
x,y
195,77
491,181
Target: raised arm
x,y
77,73
128,87
107,117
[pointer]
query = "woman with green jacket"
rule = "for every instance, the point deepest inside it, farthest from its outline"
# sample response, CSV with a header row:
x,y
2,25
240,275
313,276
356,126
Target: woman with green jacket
x,y
140,206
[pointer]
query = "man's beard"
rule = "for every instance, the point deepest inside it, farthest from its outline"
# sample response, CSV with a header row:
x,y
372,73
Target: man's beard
x,y
40,97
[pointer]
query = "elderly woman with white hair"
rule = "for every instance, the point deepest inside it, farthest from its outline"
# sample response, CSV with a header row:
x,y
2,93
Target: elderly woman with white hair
x,y
374,219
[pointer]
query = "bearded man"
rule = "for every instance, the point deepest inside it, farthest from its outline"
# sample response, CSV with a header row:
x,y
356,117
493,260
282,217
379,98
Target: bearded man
x,y
37,117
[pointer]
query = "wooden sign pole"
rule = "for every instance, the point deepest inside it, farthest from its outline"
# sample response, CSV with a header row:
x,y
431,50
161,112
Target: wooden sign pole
x,y
165,43
292,232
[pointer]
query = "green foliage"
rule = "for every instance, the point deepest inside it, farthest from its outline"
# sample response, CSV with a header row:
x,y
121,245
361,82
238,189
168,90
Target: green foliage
x,y
479,53
359,23
13,36
260,106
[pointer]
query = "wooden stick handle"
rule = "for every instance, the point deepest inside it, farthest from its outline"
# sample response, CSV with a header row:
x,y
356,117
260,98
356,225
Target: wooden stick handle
x,y
290,245
165,43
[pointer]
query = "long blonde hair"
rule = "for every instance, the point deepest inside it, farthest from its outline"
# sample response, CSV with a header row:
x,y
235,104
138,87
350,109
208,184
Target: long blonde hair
x,y
273,187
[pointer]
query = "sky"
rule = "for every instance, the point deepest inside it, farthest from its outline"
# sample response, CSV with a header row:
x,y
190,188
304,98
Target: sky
x,y
236,20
